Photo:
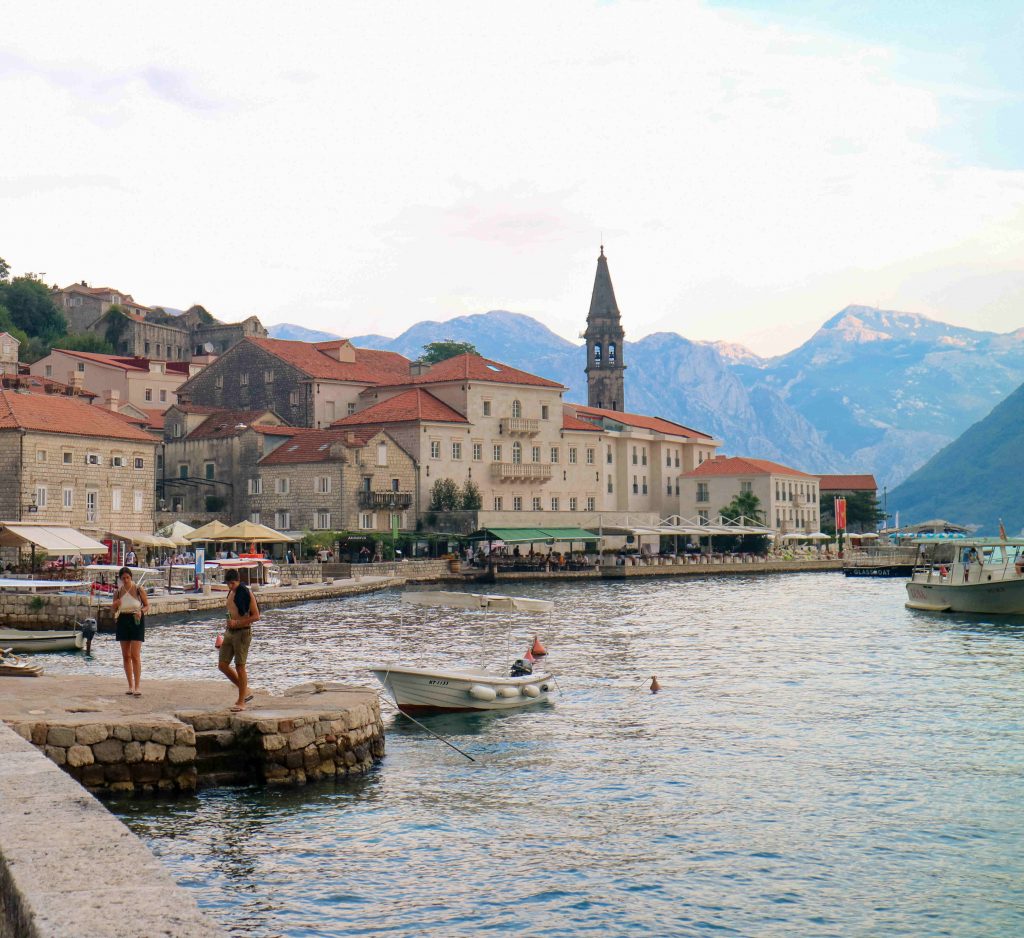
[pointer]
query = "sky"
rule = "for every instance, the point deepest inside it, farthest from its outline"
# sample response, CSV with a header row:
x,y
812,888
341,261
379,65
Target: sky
x,y
751,167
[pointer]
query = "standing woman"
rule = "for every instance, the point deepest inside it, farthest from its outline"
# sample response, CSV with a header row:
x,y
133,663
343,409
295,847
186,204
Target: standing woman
x,y
130,607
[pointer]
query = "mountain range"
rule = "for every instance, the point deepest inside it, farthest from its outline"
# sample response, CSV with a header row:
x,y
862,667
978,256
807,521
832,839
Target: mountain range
x,y
871,391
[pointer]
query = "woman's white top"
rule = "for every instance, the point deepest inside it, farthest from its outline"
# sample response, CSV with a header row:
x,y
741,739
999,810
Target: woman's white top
x,y
130,603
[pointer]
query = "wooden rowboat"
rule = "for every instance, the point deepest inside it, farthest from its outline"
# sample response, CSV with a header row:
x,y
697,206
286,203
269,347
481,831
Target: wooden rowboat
x,y
22,640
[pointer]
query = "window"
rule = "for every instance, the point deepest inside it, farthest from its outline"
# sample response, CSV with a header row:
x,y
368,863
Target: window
x,y
92,459
282,486
609,459
81,367
140,463
643,456
382,454
456,452
137,501
590,455
497,452
177,430
243,379
592,502
536,454
702,491
746,486
572,503
597,353
177,503
394,485
268,375
517,409
609,485
209,470
634,455
49,371
554,503
668,487
40,455
115,499
636,486
148,394
543,411
67,458
611,353
517,502
478,451
91,500
145,348
163,395
183,470
677,486
668,459
517,452
572,454
497,503
351,408
643,487
323,520
293,396
536,503
41,496
323,485
256,486
218,383
487,408
68,498
158,350
435,449
282,520
159,460
255,517
554,454
677,459
117,462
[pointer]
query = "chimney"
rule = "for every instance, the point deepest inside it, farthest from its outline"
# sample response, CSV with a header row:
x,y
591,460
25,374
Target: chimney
x,y
75,379
343,351
112,400
418,368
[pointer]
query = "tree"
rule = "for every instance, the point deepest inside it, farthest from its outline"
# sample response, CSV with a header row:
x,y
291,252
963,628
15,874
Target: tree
x,y
31,308
117,323
445,495
434,352
472,500
744,505
863,512
84,342
5,270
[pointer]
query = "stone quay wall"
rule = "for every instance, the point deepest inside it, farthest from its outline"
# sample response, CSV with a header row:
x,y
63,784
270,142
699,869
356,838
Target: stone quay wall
x,y
43,611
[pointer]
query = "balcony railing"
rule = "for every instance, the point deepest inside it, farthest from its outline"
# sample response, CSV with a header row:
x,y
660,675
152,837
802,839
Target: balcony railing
x,y
399,501
516,471
524,425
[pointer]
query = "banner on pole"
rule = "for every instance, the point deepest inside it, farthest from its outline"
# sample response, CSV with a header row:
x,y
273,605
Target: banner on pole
x,y
840,514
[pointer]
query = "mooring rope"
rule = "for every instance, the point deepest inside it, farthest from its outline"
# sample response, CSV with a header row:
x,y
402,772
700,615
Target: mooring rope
x,y
438,736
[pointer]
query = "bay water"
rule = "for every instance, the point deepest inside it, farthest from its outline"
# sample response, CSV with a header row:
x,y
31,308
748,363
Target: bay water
x,y
820,761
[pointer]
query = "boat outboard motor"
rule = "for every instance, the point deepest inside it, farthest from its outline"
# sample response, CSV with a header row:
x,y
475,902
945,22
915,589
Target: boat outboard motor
x,y
88,630
521,667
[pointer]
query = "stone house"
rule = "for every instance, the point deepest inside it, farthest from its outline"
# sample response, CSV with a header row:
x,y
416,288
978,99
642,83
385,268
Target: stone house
x,y
82,305
788,497
310,384
9,349
71,463
335,480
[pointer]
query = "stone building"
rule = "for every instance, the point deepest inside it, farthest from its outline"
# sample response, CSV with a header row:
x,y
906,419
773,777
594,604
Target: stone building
x,y
82,305
9,349
310,384
69,462
605,368
336,480
788,497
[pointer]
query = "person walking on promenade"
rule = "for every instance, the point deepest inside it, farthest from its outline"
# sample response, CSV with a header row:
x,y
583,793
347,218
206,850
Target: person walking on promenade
x,y
243,611
130,607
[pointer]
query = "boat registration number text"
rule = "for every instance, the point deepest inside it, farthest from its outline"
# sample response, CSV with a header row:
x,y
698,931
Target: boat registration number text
x,y
439,683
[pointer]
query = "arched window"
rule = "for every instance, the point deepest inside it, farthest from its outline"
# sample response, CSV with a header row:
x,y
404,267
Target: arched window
x,y
517,451
517,409
611,353
597,353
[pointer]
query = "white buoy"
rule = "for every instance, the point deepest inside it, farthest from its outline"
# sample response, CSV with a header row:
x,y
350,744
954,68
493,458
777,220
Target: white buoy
x,y
508,692
482,692
531,690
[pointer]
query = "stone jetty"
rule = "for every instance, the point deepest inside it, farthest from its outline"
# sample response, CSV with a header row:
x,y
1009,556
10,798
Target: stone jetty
x,y
182,735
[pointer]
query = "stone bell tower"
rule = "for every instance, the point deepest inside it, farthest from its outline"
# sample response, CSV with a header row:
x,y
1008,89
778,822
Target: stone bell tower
x,y
604,335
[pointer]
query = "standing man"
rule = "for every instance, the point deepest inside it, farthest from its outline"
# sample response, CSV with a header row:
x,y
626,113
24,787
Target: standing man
x,y
242,613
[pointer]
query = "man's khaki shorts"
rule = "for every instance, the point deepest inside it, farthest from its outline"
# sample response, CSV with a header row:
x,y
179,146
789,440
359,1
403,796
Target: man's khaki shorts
x,y
236,646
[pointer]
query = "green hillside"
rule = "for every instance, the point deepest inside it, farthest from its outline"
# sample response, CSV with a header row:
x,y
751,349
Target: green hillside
x,y
976,479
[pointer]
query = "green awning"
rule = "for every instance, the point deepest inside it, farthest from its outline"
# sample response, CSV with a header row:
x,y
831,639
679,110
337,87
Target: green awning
x,y
571,534
511,535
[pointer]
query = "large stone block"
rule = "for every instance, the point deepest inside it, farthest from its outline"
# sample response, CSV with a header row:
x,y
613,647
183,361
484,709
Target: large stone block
x,y
293,760
154,752
60,736
57,753
147,772
273,742
163,735
180,754
123,733
142,732
38,734
132,752
301,737
118,772
90,733
109,751
201,722
79,755
185,736
92,776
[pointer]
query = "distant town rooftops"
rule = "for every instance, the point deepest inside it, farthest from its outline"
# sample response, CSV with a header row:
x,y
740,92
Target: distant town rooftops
x,y
744,466
315,360
603,416
227,423
129,363
414,404
57,413
306,445
571,422
848,483
39,385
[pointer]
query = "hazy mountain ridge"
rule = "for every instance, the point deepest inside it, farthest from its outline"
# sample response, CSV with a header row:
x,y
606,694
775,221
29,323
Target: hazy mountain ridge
x,y
288,330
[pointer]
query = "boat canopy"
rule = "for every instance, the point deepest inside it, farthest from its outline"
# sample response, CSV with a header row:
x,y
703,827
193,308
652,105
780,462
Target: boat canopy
x,y
492,601
54,539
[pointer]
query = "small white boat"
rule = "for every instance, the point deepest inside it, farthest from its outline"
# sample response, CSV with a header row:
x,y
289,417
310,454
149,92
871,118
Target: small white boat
x,y
424,690
979,575
22,640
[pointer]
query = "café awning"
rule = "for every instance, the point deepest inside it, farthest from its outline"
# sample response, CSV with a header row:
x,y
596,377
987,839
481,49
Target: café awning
x,y
142,539
54,539
533,535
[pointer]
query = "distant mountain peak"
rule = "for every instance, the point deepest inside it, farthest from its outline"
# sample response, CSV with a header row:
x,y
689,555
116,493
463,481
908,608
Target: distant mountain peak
x,y
734,353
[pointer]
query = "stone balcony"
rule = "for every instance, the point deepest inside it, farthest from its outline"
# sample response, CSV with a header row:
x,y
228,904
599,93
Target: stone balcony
x,y
396,501
524,426
520,472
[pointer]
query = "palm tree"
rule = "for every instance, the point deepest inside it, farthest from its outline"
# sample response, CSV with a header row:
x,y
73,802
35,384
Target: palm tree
x,y
744,505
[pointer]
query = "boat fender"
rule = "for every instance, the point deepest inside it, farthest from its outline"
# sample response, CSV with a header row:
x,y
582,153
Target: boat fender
x,y
531,690
482,692
508,692
545,688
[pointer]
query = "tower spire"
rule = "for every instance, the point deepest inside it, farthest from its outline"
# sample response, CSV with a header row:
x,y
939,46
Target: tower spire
x,y
604,335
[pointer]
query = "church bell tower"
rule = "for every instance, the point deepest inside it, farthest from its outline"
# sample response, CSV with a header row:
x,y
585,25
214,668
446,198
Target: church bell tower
x,y
605,378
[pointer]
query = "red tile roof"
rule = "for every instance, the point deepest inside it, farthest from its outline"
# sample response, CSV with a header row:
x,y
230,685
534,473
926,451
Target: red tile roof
x,y
226,423
656,424
414,404
370,366
572,422
155,418
55,413
744,466
475,368
40,385
188,408
113,361
852,483
315,445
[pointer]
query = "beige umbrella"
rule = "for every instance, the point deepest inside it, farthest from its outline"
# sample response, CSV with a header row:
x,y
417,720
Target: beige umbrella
x,y
208,532
178,532
252,533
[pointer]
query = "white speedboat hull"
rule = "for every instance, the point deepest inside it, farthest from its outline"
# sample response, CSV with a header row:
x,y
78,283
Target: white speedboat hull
x,y
22,640
999,597
421,691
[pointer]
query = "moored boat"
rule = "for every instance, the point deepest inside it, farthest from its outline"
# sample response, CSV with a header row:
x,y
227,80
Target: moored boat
x,y
977,575
41,640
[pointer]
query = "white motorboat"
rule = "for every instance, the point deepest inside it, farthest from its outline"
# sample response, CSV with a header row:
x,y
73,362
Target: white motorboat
x,y
980,575
424,690
22,640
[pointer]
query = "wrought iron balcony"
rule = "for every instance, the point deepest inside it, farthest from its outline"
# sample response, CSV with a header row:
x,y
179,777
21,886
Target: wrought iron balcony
x,y
526,426
397,501
520,471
